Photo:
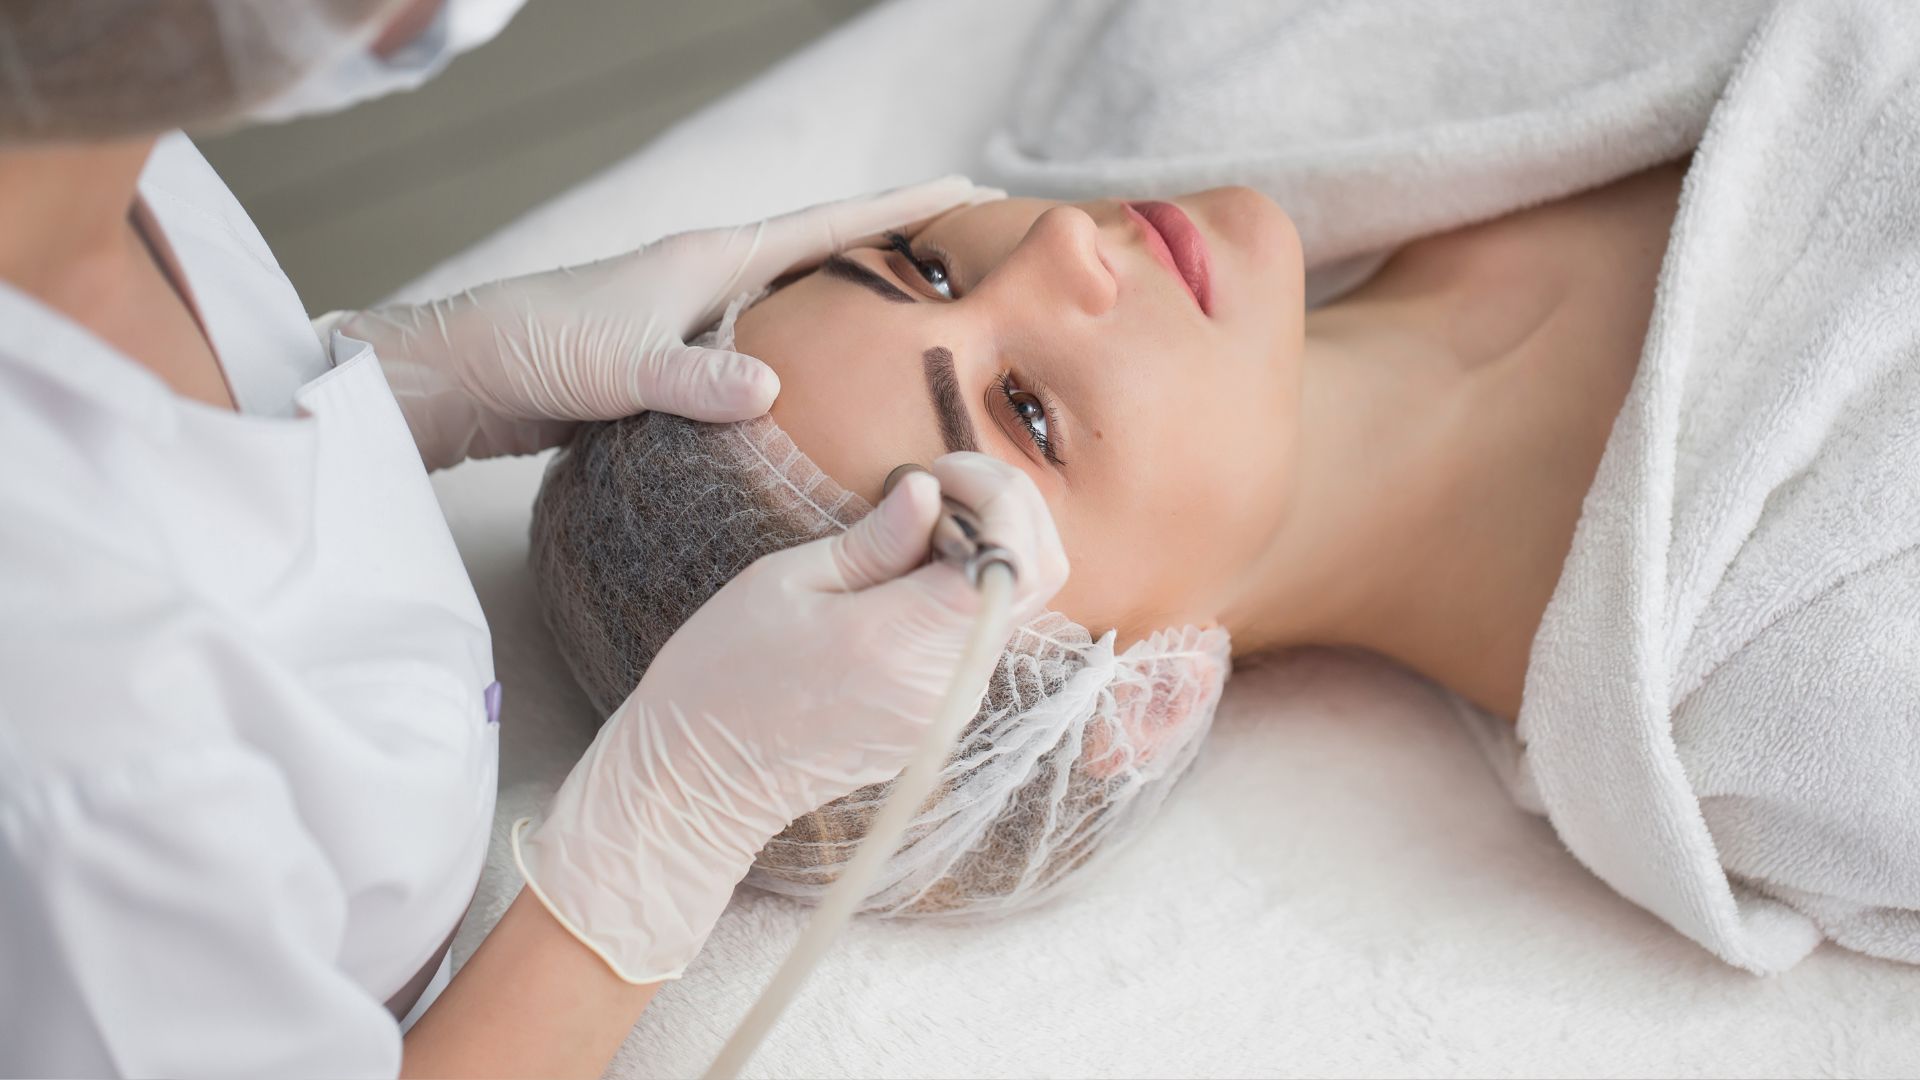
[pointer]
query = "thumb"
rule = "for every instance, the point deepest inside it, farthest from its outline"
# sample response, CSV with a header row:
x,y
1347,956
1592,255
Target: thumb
x,y
890,541
713,385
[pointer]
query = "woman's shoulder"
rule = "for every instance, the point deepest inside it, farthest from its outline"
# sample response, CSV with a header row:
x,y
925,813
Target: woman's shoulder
x,y
1572,280
1608,231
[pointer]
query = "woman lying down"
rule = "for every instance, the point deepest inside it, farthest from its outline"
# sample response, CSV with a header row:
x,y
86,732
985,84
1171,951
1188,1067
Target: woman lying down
x,y
1401,471
1638,493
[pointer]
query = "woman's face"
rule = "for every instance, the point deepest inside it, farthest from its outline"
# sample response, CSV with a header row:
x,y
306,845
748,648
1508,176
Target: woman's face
x,y
1147,378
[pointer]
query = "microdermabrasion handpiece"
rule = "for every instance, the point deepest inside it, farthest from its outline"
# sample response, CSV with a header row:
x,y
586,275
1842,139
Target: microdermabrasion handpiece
x,y
956,535
957,540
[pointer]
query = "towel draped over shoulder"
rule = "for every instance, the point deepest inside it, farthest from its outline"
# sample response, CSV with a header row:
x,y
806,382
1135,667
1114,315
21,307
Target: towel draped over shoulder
x,y
1722,709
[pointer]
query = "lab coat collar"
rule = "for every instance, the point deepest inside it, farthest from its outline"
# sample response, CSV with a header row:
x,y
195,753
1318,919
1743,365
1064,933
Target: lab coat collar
x,y
66,354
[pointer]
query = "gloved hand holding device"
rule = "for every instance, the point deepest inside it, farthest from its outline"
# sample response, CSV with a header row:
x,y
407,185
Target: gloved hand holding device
x,y
811,674
510,367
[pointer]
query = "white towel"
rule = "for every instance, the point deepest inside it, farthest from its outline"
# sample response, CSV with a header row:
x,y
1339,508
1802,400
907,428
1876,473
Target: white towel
x,y
1371,121
1722,713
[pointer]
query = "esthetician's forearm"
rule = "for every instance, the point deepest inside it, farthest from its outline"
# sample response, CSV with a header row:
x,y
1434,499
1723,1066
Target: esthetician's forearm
x,y
531,1002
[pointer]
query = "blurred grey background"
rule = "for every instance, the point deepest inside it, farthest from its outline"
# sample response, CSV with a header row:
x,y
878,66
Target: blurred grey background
x,y
359,203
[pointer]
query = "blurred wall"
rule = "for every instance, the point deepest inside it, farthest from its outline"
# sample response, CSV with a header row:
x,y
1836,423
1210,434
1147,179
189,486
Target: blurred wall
x,y
359,203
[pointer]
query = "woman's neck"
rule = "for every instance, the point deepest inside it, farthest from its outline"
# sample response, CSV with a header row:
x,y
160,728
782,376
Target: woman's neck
x,y
1455,410
63,215
1379,420
68,239
1414,529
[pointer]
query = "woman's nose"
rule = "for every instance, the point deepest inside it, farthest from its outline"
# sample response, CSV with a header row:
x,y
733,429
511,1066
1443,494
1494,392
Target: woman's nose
x,y
1059,259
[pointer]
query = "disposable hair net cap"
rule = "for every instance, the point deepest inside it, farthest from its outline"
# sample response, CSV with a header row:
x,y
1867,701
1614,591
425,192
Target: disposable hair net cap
x,y
1075,743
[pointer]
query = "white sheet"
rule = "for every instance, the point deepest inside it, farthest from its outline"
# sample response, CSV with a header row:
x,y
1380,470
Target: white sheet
x,y
1340,887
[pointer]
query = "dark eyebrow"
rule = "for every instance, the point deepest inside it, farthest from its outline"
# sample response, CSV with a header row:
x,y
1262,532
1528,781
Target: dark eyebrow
x,y
846,269
956,427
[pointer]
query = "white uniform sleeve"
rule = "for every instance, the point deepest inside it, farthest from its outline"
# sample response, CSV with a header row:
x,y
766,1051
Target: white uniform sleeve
x,y
164,910
169,917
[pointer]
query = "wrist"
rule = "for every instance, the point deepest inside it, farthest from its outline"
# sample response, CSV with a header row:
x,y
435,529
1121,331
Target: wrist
x,y
531,1002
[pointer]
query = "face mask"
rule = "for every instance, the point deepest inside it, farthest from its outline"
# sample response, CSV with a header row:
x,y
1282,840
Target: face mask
x,y
358,75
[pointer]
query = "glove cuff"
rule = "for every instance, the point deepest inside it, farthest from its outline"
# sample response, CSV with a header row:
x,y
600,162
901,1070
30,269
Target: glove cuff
x,y
630,965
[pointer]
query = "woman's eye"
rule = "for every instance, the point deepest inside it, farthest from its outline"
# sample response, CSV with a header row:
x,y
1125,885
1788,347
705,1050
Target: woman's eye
x,y
933,271
1031,413
935,275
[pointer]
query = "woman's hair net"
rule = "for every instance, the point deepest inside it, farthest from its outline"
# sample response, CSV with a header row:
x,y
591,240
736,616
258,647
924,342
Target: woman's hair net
x,y
100,68
640,521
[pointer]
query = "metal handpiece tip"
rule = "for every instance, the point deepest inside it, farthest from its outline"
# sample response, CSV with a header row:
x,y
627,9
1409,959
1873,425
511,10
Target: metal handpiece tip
x,y
899,473
956,535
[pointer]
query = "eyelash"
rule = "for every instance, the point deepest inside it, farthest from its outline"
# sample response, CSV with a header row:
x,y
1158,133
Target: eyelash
x,y
1042,440
936,260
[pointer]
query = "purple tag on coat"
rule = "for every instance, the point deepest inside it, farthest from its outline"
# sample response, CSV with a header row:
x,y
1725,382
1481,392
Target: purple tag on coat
x,y
491,695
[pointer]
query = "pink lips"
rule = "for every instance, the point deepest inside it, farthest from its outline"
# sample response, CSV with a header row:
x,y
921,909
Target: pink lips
x,y
1173,239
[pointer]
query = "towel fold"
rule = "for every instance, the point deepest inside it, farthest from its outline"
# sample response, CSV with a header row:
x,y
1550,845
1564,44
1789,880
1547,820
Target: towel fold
x,y
1371,121
1722,710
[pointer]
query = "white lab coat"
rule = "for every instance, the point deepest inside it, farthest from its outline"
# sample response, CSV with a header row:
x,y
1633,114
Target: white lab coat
x,y
247,750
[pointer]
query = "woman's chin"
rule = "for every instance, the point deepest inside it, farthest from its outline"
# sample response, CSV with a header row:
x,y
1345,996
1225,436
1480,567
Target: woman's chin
x,y
1261,248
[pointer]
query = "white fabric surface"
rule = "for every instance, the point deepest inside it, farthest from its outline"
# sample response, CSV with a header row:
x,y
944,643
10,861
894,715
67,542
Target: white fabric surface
x,y
1372,121
1730,671
1341,887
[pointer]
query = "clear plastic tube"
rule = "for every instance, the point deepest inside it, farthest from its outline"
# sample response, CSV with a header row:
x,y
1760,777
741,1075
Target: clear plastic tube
x,y
910,790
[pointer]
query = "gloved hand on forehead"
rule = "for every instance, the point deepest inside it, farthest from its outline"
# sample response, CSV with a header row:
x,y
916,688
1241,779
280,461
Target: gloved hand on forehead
x,y
813,673
510,367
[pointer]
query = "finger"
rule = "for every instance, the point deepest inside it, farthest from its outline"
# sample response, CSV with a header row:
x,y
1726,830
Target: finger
x,y
1014,516
864,220
714,385
808,236
717,266
890,541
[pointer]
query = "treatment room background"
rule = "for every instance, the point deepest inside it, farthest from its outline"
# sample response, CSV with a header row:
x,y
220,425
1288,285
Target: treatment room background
x,y
356,203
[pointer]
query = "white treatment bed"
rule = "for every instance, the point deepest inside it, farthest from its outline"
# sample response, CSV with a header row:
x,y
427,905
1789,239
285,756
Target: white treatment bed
x,y
1340,887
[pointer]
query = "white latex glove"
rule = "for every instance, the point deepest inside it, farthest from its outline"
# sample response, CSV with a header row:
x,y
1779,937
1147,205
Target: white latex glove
x,y
813,673
508,368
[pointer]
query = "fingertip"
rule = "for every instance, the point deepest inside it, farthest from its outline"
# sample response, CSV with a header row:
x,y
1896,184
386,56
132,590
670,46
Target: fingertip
x,y
890,540
912,504
739,387
924,489
760,387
